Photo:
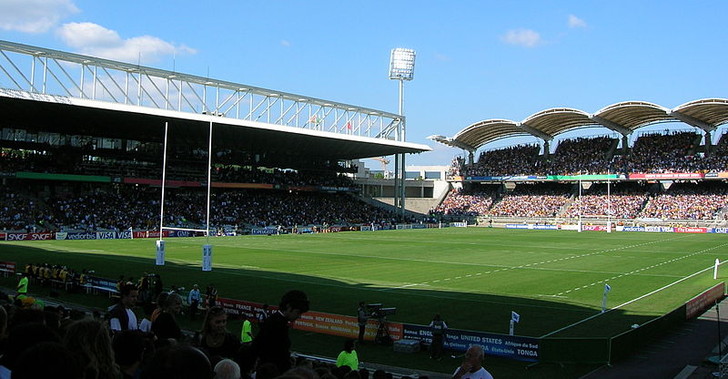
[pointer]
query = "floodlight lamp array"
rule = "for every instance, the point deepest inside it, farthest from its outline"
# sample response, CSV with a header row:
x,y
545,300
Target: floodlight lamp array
x,y
402,64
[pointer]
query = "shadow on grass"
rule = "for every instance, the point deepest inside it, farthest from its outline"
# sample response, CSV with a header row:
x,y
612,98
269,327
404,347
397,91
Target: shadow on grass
x,y
481,312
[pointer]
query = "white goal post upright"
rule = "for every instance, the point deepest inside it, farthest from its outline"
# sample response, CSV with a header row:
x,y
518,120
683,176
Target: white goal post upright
x,y
581,205
609,203
207,248
160,241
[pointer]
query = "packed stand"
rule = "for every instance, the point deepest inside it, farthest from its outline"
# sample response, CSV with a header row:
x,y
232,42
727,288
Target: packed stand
x,y
515,160
717,160
460,203
184,167
456,168
686,201
580,156
622,203
532,201
234,174
662,153
116,207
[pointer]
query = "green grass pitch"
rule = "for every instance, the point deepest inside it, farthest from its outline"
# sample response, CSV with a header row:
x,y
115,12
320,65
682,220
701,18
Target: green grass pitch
x,y
474,277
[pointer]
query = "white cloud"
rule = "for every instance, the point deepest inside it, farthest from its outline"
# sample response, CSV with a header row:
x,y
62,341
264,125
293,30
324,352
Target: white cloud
x,y
522,37
576,22
93,39
285,43
34,16
442,57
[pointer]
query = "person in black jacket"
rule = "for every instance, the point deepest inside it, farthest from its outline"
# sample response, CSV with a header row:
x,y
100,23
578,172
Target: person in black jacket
x,y
122,317
272,344
165,326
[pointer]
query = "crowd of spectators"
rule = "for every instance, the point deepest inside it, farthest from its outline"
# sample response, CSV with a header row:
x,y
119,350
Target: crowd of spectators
x,y
236,174
717,159
660,153
71,161
456,167
687,202
38,340
666,152
459,203
618,203
683,201
118,207
579,156
514,160
532,201
20,210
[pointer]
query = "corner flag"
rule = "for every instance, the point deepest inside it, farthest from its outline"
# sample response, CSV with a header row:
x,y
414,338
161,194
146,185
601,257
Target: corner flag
x,y
515,317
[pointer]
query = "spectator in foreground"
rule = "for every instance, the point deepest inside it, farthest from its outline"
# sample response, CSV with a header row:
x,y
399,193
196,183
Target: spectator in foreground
x,y
89,341
348,356
122,315
472,366
129,347
165,325
22,286
22,337
227,369
178,362
47,360
273,343
193,299
214,339
246,333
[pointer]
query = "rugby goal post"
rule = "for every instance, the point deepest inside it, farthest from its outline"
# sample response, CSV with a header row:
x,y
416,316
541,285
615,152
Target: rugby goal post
x,y
587,222
160,244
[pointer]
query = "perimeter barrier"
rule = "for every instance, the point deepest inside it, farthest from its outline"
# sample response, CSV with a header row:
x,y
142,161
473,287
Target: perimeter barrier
x,y
574,349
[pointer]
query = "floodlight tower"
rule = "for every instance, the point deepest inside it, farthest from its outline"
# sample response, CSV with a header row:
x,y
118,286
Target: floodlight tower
x,y
401,67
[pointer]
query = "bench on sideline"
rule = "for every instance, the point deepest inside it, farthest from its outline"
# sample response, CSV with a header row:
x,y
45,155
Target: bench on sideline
x,y
7,268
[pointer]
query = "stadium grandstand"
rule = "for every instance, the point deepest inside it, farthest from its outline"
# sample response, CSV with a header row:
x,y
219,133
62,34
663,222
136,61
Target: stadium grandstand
x,y
671,177
83,133
80,131
98,149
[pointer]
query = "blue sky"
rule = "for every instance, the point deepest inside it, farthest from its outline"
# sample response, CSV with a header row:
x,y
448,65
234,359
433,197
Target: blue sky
x,y
476,60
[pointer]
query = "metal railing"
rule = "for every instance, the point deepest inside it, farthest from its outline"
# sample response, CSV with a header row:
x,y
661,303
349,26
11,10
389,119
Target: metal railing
x,y
26,71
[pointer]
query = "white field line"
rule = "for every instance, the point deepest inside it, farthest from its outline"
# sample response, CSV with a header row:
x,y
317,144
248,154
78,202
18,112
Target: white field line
x,y
636,299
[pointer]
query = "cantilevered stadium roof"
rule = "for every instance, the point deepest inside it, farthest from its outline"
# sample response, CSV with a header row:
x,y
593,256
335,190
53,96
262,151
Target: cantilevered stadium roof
x,y
73,116
60,92
624,118
487,130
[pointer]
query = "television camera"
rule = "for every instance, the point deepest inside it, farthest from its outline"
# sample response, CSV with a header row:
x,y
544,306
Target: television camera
x,y
377,311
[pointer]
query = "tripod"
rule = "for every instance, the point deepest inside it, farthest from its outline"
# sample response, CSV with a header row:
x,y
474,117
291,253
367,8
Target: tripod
x,y
383,337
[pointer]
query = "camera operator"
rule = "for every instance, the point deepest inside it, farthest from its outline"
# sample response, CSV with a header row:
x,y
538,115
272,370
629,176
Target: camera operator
x,y
361,317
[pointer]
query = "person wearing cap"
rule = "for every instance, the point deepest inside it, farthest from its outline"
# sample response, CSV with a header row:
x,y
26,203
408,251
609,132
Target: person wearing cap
x,y
193,299
273,344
